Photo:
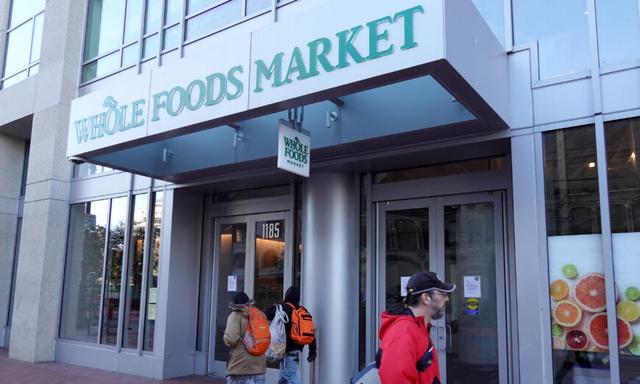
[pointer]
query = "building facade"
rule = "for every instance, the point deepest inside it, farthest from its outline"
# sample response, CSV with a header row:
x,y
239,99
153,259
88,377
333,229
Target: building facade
x,y
146,178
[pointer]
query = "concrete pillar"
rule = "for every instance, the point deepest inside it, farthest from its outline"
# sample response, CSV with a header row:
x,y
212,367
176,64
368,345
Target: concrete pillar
x,y
330,272
11,160
177,316
42,246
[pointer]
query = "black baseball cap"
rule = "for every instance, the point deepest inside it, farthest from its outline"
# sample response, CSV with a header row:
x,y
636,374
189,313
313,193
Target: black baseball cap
x,y
422,282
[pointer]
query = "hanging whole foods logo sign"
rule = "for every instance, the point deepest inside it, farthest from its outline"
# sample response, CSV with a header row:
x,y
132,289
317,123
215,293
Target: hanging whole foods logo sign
x,y
176,97
293,151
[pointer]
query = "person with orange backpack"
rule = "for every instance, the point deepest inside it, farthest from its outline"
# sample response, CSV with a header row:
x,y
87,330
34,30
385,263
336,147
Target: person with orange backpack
x,y
300,332
247,333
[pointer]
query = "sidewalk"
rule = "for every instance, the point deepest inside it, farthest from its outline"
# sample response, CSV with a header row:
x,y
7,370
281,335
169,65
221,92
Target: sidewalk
x,y
18,372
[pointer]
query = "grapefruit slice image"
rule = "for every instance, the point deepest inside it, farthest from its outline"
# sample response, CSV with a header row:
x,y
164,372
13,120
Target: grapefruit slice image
x,y
577,340
590,293
599,334
567,314
559,290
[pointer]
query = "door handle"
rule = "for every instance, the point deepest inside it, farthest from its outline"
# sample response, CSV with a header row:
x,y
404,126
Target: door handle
x,y
448,330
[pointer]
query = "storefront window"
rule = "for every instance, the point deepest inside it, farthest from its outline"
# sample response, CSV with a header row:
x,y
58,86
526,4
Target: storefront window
x,y
134,271
113,38
623,175
493,13
154,270
113,271
97,233
618,31
576,269
24,39
214,19
83,271
561,30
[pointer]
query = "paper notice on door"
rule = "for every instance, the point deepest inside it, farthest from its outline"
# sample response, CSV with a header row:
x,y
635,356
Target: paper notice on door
x,y
472,286
403,285
232,283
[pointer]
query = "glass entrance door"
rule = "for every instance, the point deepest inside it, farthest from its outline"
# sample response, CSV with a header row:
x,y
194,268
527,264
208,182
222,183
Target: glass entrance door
x,y
460,238
251,255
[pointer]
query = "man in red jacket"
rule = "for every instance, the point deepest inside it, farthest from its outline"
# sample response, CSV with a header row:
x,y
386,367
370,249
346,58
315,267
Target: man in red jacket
x,y
406,354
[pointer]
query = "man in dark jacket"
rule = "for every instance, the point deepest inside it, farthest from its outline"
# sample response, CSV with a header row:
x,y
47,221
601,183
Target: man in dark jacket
x,y
291,360
406,354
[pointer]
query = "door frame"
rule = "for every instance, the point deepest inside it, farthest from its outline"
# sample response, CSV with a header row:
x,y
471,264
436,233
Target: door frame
x,y
497,198
215,367
436,205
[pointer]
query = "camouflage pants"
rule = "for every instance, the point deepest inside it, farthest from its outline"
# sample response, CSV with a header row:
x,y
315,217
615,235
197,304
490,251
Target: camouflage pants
x,y
246,379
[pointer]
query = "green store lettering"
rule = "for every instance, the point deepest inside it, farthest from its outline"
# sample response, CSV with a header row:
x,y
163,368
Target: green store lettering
x,y
114,119
306,62
215,88
208,92
295,152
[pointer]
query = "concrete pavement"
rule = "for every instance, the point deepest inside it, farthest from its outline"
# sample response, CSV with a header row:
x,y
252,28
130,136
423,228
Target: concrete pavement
x,y
18,372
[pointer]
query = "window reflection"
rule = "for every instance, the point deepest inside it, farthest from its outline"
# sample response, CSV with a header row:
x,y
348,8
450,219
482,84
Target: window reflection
x,y
407,249
88,169
231,272
214,19
577,291
618,31
153,274
269,264
623,175
113,28
94,268
22,10
113,271
83,271
17,56
133,290
560,28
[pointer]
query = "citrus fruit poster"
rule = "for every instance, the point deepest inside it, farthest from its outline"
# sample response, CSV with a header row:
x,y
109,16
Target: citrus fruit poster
x,y
577,292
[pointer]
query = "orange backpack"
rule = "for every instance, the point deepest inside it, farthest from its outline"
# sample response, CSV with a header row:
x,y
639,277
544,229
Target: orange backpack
x,y
257,337
302,329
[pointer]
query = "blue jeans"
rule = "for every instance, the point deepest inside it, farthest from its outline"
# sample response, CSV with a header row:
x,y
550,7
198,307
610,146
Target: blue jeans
x,y
289,368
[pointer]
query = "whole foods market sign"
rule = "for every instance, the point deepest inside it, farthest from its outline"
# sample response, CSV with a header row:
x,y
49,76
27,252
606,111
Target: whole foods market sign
x,y
289,59
294,151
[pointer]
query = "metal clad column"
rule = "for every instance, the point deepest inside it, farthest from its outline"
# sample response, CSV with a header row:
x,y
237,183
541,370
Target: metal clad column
x,y
329,270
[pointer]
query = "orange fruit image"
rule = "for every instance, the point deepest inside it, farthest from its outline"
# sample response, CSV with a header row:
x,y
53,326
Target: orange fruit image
x,y
590,293
559,290
567,314
599,333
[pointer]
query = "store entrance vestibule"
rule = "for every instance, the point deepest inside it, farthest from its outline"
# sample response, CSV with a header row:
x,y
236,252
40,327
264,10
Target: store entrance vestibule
x,y
252,254
461,238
